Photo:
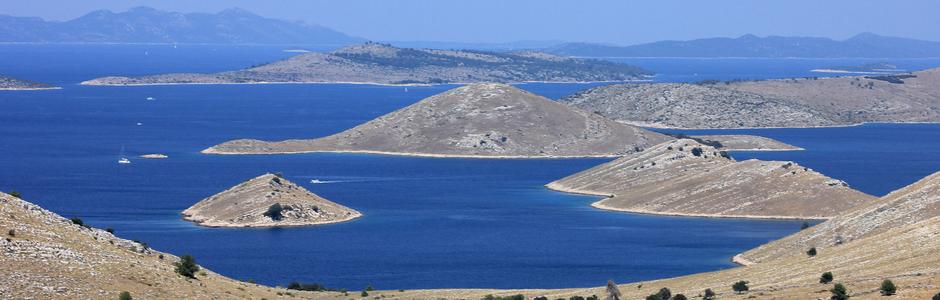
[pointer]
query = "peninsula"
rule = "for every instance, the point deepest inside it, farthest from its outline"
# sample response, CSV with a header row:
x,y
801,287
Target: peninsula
x,y
13,84
686,178
268,200
803,102
485,120
374,63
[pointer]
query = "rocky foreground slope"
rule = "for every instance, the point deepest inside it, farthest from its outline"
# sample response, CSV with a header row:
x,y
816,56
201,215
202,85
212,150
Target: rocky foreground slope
x,y
385,64
477,120
684,177
9,83
916,203
46,256
268,200
805,102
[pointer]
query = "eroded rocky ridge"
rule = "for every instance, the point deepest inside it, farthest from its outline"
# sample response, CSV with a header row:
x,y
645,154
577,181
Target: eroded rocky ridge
x,y
684,177
804,102
268,200
477,120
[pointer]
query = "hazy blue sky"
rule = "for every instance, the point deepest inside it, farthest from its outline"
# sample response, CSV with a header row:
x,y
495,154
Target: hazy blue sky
x,y
611,21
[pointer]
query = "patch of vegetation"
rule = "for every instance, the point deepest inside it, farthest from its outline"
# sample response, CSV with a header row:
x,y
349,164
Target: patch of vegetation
x,y
804,226
697,151
109,230
896,79
316,287
710,143
274,212
826,277
936,297
740,286
125,296
679,297
16,194
79,222
709,295
364,294
811,252
369,288
663,294
11,233
187,266
887,288
576,298
839,292
513,297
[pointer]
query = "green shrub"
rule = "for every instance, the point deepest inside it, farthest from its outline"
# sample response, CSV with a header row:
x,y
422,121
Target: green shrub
x,y
740,286
936,297
16,194
679,297
826,277
369,288
709,295
187,266
109,230
78,221
274,212
888,288
540,298
839,292
804,226
316,287
811,251
697,151
11,232
576,298
364,294
125,296
591,297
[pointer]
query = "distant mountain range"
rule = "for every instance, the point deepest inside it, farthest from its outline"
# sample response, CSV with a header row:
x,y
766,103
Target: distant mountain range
x,y
148,25
862,45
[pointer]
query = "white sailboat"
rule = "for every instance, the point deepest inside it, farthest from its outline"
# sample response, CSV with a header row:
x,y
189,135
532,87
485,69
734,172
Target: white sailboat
x,y
123,160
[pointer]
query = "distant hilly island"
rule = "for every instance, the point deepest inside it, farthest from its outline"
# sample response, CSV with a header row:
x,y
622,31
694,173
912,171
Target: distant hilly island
x,y
865,45
238,26
148,25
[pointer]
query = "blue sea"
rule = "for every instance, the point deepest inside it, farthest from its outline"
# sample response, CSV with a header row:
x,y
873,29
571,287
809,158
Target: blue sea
x,y
428,222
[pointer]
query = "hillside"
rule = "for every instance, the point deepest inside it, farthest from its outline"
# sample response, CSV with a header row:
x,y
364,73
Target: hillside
x,y
268,200
805,102
683,105
683,177
861,45
148,25
383,64
912,204
477,120
9,83
52,258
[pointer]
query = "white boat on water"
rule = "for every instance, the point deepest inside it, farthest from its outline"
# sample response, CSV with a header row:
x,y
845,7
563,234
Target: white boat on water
x,y
151,98
123,160
317,181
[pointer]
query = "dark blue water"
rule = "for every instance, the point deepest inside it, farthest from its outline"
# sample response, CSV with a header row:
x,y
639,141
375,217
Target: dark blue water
x,y
429,223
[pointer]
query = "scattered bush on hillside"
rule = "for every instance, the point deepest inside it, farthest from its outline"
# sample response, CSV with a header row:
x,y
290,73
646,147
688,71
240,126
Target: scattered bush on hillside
x,y
11,233
316,287
274,212
187,266
576,298
540,298
79,222
370,288
513,297
936,297
697,151
739,287
709,295
679,297
811,251
109,230
364,294
804,226
125,296
663,294
826,277
839,292
16,194
888,288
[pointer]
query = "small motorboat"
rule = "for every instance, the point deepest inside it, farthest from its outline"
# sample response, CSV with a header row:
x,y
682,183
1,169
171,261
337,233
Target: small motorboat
x,y
151,98
124,160
317,181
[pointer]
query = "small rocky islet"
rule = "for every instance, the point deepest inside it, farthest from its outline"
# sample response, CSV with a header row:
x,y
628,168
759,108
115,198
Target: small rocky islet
x,y
268,200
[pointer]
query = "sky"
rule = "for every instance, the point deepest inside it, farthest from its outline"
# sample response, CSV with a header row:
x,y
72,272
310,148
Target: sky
x,y
605,21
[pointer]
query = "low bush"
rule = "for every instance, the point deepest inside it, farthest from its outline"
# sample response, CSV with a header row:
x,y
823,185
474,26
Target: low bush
x,y
16,194
316,287
888,288
709,295
187,266
739,287
274,212
811,251
826,277
679,297
125,296
839,292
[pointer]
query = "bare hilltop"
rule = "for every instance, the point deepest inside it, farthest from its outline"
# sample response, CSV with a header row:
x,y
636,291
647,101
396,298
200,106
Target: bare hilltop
x,y
487,120
804,102
384,64
268,200
684,177
9,83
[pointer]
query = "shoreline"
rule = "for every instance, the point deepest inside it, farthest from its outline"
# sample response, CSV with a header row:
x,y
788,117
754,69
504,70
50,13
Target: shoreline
x,y
89,83
211,151
599,205
352,217
31,89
